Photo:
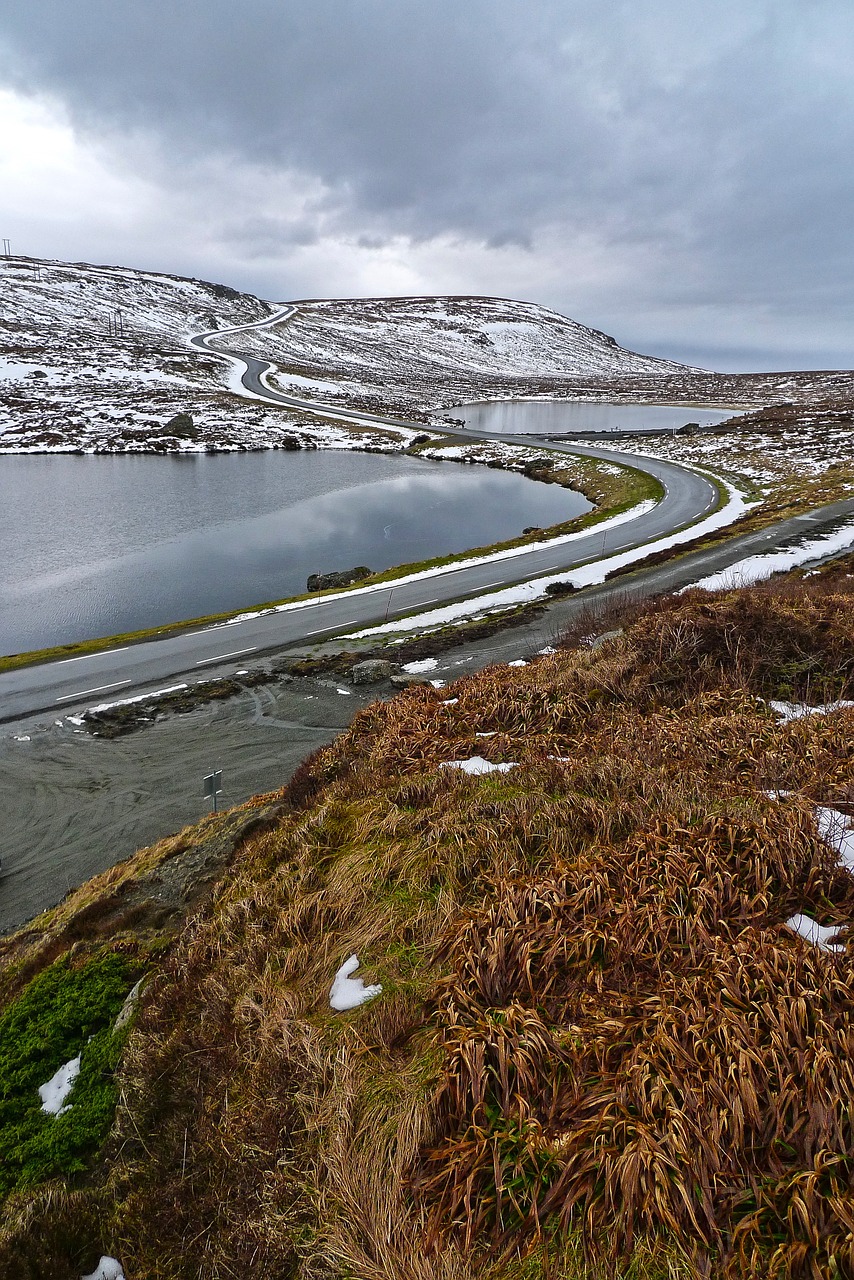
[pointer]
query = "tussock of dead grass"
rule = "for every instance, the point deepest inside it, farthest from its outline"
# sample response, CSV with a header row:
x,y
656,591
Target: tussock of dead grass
x,y
597,1046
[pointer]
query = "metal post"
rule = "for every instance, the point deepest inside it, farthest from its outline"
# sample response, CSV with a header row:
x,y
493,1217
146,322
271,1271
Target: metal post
x,y
7,248
388,604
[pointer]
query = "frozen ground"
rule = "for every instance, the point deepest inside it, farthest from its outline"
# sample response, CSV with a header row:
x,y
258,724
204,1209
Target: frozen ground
x,y
98,359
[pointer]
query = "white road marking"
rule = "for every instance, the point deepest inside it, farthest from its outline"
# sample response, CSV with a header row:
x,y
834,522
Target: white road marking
x,y
67,697
222,656
103,653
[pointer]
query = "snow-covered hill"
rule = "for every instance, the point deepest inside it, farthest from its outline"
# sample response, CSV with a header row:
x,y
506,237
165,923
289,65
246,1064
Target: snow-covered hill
x,y
409,339
99,359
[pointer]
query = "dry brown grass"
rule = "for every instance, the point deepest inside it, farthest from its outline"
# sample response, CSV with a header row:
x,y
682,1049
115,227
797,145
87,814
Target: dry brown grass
x,y
598,1051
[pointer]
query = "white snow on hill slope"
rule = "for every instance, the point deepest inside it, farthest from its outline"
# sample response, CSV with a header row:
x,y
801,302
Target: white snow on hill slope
x,y
50,308
430,338
98,358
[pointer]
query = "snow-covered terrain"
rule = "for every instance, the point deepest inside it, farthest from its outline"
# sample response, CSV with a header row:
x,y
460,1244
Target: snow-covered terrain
x,y
439,343
99,359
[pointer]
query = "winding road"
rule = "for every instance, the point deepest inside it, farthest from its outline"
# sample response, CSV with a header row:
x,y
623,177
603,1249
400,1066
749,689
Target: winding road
x,y
64,686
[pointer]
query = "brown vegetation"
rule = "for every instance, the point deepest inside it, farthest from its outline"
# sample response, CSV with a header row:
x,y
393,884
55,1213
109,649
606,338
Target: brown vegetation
x,y
598,1050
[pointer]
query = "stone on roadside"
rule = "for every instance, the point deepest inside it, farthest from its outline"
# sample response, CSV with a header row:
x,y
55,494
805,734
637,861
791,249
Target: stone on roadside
x,y
372,670
598,641
326,581
402,680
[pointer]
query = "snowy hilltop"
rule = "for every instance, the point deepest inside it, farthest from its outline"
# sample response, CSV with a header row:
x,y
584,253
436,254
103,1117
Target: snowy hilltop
x,y
100,359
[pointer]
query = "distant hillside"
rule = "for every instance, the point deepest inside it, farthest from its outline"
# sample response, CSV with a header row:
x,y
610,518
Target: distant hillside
x,y
99,359
406,339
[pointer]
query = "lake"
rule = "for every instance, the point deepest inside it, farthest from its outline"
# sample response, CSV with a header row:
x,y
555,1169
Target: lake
x,y
97,545
551,417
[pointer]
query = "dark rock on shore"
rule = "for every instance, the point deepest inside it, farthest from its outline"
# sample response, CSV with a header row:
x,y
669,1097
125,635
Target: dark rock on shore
x,y
323,581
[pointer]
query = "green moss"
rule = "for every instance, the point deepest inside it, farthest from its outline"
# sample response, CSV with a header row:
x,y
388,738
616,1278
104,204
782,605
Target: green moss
x,y
62,1013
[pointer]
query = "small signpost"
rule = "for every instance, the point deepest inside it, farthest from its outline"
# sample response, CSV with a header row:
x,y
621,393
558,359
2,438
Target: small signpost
x,y
213,786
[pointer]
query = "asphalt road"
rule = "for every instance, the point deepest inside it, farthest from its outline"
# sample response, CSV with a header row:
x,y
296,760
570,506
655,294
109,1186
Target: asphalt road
x,y
73,805
68,685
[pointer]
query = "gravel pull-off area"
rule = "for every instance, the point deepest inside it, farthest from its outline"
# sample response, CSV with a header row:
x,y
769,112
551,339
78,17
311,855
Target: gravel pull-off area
x,y
74,804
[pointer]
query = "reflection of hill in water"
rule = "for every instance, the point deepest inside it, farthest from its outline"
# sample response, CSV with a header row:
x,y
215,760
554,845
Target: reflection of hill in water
x,y
539,416
147,541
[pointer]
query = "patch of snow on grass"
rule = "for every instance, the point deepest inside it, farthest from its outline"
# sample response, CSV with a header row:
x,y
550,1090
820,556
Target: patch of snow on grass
x,y
54,1092
818,934
347,992
517,662
837,830
418,668
476,765
787,711
107,1269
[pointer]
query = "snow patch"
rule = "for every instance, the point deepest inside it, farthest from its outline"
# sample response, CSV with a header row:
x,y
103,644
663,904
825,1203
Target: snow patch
x,y
818,934
424,664
347,992
837,830
476,765
758,568
143,697
107,1269
54,1092
787,711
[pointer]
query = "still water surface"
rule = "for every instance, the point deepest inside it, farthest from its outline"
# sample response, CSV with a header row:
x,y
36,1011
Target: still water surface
x,y
98,545
553,416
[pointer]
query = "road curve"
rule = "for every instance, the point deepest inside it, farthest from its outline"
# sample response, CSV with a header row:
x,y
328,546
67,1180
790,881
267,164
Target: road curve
x,y
65,686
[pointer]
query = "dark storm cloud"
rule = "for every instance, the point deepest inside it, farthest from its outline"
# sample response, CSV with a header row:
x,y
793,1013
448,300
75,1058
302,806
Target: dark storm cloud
x,y
708,146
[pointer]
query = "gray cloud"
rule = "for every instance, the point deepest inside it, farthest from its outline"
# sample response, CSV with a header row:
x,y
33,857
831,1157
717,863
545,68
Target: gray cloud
x,y
652,164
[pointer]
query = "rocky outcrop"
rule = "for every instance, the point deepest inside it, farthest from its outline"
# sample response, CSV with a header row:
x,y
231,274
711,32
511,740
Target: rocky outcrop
x,y
373,670
323,581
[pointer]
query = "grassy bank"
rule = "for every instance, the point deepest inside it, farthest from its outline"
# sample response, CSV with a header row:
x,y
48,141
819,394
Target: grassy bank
x,y
598,1049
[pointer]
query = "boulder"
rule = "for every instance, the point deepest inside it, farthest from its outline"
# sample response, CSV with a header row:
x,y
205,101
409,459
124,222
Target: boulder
x,y
560,589
323,581
405,681
182,425
373,670
598,641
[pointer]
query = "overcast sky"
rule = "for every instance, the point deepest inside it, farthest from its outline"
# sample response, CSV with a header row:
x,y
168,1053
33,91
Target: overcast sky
x,y
676,173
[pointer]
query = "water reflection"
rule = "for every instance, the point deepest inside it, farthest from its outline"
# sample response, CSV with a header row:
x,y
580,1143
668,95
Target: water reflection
x,y
96,546
554,416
